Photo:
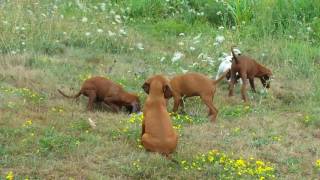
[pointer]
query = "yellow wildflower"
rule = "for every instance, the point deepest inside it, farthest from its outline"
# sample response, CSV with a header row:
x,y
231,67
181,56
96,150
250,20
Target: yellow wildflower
x,y
210,158
10,176
240,163
260,163
318,163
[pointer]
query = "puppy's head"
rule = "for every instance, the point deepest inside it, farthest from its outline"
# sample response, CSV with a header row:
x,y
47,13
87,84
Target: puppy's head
x,y
266,78
158,83
136,104
237,51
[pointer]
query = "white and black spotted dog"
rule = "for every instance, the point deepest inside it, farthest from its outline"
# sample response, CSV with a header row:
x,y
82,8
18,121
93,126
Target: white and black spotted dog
x,y
225,65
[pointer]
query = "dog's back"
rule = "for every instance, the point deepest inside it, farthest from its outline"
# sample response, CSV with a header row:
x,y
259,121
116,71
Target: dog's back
x,y
190,84
102,86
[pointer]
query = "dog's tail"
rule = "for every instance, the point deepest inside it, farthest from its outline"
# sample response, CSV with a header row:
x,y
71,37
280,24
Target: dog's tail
x,y
221,77
72,96
234,55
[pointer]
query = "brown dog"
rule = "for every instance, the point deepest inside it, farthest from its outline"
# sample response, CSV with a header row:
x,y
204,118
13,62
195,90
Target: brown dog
x,y
247,68
158,134
195,84
100,89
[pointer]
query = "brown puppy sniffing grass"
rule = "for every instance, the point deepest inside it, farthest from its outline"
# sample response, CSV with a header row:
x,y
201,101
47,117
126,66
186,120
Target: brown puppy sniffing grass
x,y
195,84
158,134
100,89
247,68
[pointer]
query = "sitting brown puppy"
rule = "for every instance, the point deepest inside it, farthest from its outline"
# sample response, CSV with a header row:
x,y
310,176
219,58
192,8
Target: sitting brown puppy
x,y
158,134
100,89
195,84
247,68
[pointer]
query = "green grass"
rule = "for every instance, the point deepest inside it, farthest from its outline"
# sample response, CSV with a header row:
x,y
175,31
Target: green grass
x,y
49,45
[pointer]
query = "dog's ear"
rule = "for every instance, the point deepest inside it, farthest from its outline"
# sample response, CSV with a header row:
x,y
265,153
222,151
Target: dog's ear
x,y
146,87
167,92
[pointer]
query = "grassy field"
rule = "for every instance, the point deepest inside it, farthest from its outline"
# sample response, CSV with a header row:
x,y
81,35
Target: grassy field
x,y
46,45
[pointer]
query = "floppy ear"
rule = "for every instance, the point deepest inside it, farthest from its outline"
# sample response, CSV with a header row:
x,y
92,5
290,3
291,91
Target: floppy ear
x,y
146,87
167,92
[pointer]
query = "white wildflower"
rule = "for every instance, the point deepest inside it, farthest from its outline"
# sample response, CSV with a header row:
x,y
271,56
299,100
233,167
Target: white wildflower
x,y
87,33
309,29
291,37
140,46
84,19
103,6
99,30
122,32
197,37
177,56
92,123
117,18
219,39
219,13
220,27
110,33
183,70
181,34
192,48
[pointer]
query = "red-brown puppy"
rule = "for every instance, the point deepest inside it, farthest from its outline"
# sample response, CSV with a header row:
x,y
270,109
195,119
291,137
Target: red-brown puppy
x,y
247,68
158,134
100,89
195,84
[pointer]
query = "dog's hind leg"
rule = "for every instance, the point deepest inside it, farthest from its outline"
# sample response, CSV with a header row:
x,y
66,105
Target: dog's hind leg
x,y
213,111
177,101
92,98
150,143
244,87
251,80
